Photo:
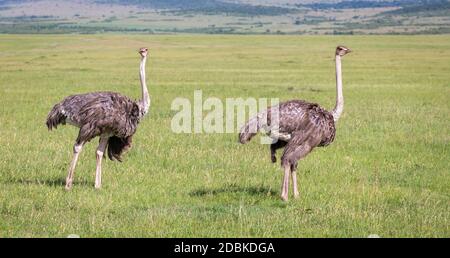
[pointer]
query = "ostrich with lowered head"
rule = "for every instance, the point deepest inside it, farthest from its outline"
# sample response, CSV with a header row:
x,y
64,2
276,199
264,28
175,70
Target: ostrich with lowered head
x,y
109,115
301,127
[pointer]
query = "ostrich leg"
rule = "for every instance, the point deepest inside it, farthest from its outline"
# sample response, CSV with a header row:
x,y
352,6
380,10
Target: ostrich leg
x,y
294,180
100,151
76,152
285,185
296,149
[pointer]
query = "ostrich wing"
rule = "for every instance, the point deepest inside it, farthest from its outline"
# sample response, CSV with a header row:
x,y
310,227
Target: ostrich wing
x,y
111,114
308,118
293,116
289,117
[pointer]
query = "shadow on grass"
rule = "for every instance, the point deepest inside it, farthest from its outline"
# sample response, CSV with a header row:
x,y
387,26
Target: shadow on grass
x,y
52,182
249,190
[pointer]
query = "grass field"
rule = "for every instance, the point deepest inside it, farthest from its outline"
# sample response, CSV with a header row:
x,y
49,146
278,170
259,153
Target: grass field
x,y
387,172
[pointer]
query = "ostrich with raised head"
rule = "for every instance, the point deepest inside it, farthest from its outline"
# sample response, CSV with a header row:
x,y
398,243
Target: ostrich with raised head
x,y
298,126
109,115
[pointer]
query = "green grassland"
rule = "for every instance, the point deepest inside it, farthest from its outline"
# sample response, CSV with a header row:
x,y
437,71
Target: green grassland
x,y
387,172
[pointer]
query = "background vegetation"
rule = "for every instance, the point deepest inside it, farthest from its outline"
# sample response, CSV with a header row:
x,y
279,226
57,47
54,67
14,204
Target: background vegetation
x,y
226,17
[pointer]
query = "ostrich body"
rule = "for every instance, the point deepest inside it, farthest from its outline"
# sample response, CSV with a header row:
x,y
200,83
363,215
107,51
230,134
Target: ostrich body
x,y
302,127
109,115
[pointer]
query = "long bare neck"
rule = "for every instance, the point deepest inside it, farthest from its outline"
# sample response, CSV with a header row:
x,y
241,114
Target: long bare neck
x,y
145,101
337,111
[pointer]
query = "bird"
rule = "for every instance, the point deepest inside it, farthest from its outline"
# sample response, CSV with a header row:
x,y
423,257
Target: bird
x,y
297,126
109,115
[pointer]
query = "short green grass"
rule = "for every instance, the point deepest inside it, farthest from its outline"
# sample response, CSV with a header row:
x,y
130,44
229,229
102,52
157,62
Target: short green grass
x,y
387,172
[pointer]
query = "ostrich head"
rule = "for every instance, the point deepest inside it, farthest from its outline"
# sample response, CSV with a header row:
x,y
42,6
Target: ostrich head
x,y
143,51
342,51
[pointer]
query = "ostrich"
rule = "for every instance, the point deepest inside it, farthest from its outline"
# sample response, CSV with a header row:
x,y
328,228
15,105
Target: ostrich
x,y
109,115
302,126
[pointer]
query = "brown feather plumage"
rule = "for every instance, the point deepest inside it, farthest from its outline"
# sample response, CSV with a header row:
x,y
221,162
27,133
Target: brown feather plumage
x,y
99,114
306,123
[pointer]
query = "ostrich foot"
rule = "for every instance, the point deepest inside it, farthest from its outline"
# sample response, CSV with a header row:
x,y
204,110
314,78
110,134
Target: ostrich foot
x,y
98,182
68,185
284,198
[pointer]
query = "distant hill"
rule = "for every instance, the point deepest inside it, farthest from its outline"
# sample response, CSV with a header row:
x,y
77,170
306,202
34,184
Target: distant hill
x,y
226,16
204,6
424,6
404,5
355,4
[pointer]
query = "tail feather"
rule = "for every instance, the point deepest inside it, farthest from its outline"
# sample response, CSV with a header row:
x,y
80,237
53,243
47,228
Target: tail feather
x,y
117,146
55,117
249,130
